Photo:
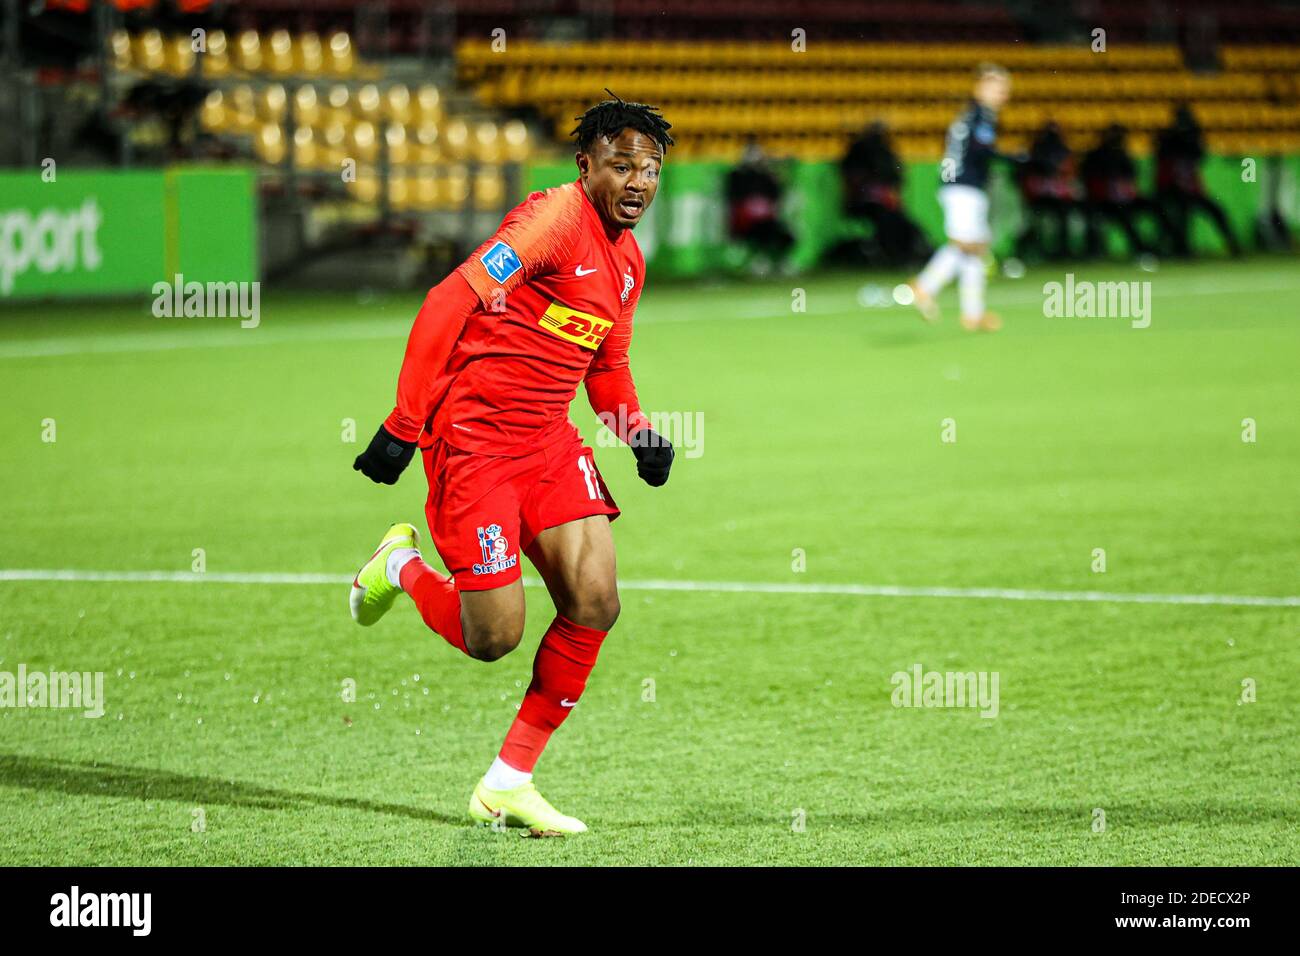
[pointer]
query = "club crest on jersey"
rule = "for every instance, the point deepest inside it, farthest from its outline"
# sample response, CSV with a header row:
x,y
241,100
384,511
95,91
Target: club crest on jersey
x,y
501,262
581,328
629,284
494,546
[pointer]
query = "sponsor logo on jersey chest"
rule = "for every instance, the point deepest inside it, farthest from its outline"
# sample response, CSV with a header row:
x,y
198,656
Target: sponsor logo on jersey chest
x,y
581,328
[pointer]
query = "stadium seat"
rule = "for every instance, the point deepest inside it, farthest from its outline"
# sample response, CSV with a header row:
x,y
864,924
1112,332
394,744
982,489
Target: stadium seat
x,y
718,92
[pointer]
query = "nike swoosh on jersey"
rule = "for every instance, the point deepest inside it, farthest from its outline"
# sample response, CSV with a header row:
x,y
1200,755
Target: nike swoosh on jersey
x,y
580,271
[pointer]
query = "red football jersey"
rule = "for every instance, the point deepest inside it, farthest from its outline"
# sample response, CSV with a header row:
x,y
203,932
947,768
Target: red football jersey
x,y
556,299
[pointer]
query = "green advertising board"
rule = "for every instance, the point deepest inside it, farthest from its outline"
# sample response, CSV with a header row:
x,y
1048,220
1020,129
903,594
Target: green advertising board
x,y
111,233
684,232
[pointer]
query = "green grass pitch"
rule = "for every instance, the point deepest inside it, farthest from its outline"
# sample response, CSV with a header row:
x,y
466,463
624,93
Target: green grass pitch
x,y
822,432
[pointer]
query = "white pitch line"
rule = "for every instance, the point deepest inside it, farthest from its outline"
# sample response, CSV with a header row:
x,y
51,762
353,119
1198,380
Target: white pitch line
x,y
732,587
170,577
171,340
776,306
1029,293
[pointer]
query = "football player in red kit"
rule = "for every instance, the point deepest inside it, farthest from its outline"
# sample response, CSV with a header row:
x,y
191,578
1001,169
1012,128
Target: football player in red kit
x,y
494,358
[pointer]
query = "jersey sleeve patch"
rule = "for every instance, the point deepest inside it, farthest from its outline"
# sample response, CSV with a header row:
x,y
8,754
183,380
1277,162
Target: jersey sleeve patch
x,y
534,238
501,262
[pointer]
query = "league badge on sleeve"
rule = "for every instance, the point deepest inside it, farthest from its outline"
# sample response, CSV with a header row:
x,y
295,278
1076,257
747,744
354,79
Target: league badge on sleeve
x,y
501,262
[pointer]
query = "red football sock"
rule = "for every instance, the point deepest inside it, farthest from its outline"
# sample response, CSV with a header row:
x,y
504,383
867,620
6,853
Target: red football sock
x,y
436,597
560,670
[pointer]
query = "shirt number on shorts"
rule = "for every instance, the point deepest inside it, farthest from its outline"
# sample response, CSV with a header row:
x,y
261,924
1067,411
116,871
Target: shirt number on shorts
x,y
588,469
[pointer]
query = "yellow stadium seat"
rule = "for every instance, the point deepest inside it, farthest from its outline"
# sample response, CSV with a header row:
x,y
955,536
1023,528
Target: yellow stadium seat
x,y
147,53
212,114
364,141
272,103
269,143
119,46
308,54
216,61
427,148
243,115
515,137
399,146
306,106
452,188
179,56
367,102
489,188
429,103
486,145
278,52
339,57
397,103
306,153
366,187
455,138
248,51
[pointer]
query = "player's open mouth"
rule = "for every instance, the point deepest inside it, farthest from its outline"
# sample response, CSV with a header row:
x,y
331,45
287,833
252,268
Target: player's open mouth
x,y
630,208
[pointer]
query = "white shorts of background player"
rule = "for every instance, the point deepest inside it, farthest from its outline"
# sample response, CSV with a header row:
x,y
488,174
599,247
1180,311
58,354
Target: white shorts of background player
x,y
965,213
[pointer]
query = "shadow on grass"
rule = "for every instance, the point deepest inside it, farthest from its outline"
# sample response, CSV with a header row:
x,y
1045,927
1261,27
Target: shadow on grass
x,y
111,780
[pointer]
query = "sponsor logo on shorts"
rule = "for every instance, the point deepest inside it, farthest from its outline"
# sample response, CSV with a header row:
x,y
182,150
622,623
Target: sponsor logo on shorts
x,y
580,328
494,546
501,262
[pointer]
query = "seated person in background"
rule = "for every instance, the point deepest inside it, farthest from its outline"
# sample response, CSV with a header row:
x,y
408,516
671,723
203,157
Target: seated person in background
x,y
1179,189
873,179
1110,179
1050,191
754,197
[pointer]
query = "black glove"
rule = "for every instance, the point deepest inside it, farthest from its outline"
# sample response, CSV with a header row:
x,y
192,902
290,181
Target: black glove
x,y
654,456
384,458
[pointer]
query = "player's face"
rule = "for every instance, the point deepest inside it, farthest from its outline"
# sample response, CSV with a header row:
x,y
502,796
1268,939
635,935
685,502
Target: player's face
x,y
621,176
993,91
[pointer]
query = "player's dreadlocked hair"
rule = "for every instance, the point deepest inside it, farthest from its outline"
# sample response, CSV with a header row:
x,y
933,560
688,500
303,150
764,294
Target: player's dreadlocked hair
x,y
611,117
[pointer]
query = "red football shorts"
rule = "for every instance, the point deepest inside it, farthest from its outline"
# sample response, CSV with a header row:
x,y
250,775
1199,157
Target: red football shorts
x,y
485,510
